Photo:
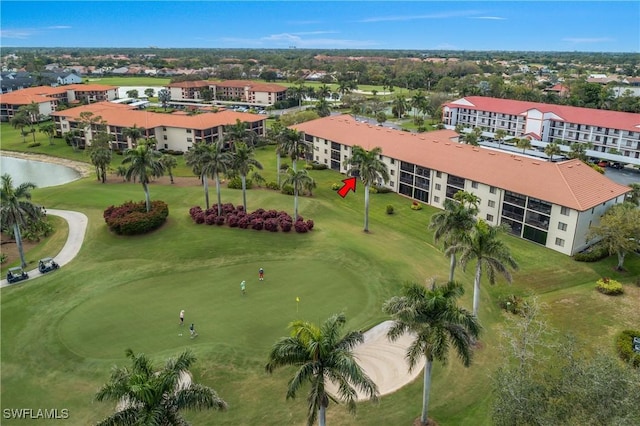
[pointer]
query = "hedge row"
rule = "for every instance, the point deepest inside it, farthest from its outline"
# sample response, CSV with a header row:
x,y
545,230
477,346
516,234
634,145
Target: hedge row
x,y
592,254
624,345
236,217
132,218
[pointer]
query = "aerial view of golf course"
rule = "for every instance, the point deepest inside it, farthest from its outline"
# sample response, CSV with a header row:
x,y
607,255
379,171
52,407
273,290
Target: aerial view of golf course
x,y
66,334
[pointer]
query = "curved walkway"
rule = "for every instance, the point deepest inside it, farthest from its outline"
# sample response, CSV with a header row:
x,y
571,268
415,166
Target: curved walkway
x,y
383,361
77,228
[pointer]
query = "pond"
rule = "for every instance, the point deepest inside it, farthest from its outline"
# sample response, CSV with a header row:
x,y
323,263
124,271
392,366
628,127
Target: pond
x,y
40,173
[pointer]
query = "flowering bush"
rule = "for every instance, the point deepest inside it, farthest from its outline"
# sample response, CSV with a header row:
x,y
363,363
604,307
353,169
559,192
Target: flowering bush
x,y
132,218
270,220
416,206
335,186
609,286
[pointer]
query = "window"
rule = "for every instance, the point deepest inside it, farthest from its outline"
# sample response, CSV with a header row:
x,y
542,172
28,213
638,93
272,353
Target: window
x,y
325,161
188,130
166,146
560,242
492,189
189,140
317,158
391,183
474,185
325,151
436,199
491,203
438,187
165,137
438,174
164,129
392,172
489,218
564,211
562,226
393,161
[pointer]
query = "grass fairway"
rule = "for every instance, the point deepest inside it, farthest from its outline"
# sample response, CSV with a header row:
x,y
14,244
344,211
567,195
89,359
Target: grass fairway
x,y
61,333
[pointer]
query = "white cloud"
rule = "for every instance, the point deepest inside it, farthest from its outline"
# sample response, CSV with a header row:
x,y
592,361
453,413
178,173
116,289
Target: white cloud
x,y
315,32
294,39
442,15
19,34
588,39
492,18
59,27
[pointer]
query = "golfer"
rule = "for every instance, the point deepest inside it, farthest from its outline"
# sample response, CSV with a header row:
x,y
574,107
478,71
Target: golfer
x,y
261,274
243,287
192,330
182,317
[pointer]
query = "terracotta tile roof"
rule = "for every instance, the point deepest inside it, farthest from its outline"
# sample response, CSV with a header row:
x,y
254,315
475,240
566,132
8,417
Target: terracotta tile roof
x,y
190,84
124,116
15,98
571,183
594,117
256,87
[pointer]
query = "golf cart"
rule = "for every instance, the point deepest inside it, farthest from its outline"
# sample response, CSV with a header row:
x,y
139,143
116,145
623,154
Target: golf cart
x,y
16,274
47,264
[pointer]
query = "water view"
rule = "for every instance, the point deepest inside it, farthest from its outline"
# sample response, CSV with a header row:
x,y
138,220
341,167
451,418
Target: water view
x,y
40,173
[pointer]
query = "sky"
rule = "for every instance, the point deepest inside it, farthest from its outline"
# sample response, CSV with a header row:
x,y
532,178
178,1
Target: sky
x,y
590,26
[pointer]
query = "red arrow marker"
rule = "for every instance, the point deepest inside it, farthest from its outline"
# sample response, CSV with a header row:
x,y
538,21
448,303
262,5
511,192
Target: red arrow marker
x,y
349,184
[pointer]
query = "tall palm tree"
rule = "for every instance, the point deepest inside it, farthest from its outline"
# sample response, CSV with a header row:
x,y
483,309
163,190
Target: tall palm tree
x,y
242,163
149,397
552,149
16,209
276,135
293,145
490,253
417,102
437,323
453,223
322,354
143,163
500,135
239,133
524,144
399,106
133,134
169,163
100,154
300,180
164,96
368,166
20,120
209,160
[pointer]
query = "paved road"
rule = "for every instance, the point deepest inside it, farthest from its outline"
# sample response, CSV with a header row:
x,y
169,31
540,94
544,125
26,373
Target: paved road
x,y
77,229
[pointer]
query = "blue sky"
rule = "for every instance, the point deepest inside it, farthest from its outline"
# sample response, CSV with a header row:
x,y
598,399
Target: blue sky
x,y
596,26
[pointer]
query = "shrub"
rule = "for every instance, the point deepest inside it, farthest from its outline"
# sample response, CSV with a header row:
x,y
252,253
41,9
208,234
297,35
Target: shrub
x,y
318,166
219,220
33,144
286,226
132,218
625,345
335,186
301,227
416,206
257,224
210,219
512,304
271,224
284,166
609,286
236,183
287,189
3,257
592,254
389,209
383,189
273,185
310,224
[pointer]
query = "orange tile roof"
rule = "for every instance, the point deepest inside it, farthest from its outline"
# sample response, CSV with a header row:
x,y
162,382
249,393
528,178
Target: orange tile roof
x,y
571,183
124,116
15,98
90,87
189,84
256,87
594,117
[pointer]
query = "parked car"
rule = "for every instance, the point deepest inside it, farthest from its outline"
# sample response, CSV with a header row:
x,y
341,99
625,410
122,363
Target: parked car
x,y
47,264
16,274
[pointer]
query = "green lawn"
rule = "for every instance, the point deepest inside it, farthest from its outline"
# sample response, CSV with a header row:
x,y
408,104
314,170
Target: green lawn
x,y
129,81
61,333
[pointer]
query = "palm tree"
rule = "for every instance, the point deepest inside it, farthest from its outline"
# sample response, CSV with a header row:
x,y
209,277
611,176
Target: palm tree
x,y
417,102
399,106
500,135
33,114
370,168
489,252
552,149
323,108
16,209
300,180
133,134
276,135
242,163
322,354
143,164
48,129
20,120
164,96
293,145
239,133
470,138
437,323
453,223
209,160
169,163
524,144
100,154
149,397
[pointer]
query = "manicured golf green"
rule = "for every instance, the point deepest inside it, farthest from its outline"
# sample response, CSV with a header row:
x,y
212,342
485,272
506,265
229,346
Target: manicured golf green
x,y
62,333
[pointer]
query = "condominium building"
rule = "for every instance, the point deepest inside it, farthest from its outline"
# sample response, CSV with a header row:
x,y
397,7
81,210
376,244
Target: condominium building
x,y
552,204
177,132
263,94
612,135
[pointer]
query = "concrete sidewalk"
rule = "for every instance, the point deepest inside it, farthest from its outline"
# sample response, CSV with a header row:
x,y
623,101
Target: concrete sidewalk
x,y
77,229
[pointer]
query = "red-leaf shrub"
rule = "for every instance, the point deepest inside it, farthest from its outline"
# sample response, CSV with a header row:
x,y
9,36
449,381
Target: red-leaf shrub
x,y
210,219
270,220
232,220
271,224
310,224
219,220
257,224
199,218
301,227
193,211
243,222
132,218
286,226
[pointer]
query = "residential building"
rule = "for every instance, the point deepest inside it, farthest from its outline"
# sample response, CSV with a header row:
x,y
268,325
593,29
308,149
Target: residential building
x,y
242,91
552,204
613,135
177,132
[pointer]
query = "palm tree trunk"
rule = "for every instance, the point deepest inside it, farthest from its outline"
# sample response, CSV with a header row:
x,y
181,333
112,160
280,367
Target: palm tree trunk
x,y
217,178
147,197
244,191
294,164
366,208
452,267
476,289
278,167
18,237
322,418
425,392
205,183
171,176
295,203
